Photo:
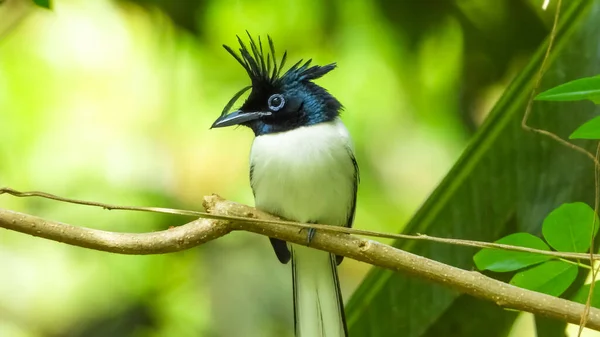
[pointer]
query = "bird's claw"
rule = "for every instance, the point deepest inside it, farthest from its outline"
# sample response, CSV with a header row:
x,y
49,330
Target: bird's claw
x,y
311,234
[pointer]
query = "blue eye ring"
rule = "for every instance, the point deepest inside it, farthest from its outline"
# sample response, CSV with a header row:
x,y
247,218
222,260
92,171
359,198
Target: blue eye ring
x,y
276,102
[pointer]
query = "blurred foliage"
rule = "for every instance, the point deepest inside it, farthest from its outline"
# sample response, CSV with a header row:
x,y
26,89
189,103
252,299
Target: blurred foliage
x,y
569,228
112,100
507,180
42,3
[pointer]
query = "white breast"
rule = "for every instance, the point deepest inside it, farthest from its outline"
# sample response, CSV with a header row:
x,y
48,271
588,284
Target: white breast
x,y
306,174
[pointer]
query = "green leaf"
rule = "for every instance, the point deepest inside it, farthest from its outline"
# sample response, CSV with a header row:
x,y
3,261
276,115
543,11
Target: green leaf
x,y
589,130
43,3
504,260
552,277
569,227
582,294
451,324
507,180
577,90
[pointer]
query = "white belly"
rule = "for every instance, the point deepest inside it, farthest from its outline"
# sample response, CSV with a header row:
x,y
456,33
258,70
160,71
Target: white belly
x,y
306,174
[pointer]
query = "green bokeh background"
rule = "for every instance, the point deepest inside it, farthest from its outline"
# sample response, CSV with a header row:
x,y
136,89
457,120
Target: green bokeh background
x,y
112,101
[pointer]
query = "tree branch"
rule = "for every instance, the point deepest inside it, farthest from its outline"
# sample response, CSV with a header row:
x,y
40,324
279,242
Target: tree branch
x,y
346,230
372,252
172,240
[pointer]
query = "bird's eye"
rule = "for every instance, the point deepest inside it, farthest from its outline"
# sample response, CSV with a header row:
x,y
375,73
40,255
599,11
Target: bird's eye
x,y
276,102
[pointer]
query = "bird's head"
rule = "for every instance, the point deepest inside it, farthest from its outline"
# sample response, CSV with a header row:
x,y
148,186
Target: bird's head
x,y
278,103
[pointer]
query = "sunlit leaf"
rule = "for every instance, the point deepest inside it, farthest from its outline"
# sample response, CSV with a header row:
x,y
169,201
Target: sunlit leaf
x,y
569,227
589,130
577,90
552,277
504,260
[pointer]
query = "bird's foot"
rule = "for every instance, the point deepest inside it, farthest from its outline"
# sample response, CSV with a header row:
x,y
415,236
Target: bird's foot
x,y
311,234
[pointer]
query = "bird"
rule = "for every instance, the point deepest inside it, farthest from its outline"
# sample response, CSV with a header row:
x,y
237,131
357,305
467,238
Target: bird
x,y
302,168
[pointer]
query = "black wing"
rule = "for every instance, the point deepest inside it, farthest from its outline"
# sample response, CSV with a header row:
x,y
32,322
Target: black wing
x,y
350,220
355,190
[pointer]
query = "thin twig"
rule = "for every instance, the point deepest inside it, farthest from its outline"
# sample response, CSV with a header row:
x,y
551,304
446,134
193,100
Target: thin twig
x,y
338,229
588,301
492,245
536,86
594,158
372,252
578,264
45,195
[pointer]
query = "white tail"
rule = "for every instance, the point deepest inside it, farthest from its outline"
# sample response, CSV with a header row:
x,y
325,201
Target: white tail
x,y
318,305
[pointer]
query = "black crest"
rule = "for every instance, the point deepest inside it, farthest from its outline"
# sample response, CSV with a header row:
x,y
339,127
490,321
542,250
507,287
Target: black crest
x,y
265,70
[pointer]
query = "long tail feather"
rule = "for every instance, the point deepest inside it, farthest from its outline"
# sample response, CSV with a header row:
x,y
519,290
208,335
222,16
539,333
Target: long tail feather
x,y
318,304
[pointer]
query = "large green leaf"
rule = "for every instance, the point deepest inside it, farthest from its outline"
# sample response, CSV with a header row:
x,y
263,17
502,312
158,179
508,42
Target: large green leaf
x,y
570,227
507,180
579,89
589,130
552,277
582,295
503,261
452,323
